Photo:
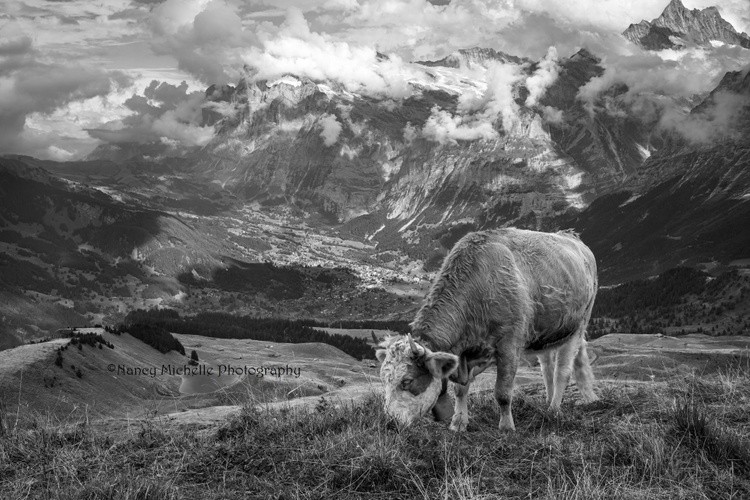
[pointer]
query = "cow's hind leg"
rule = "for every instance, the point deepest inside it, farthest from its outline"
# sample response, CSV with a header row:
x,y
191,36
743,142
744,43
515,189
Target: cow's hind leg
x,y
507,364
547,364
583,375
461,409
566,353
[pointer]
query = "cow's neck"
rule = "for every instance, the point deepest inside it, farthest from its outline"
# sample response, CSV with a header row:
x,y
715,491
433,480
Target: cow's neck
x,y
443,337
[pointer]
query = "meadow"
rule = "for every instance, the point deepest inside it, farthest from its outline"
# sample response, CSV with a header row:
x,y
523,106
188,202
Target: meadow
x,y
685,437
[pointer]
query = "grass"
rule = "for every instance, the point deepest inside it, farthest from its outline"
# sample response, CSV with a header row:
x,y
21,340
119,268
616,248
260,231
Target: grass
x,y
689,438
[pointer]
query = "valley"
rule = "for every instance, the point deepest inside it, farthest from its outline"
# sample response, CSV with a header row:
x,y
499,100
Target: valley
x,y
212,214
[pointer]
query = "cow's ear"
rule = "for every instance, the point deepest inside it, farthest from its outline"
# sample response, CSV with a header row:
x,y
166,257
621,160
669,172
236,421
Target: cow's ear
x,y
441,364
380,354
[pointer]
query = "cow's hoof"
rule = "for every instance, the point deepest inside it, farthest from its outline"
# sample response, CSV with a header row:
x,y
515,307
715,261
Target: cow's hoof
x,y
507,425
458,424
590,398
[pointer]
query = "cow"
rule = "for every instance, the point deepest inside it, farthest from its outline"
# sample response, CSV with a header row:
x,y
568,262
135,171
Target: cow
x,y
499,295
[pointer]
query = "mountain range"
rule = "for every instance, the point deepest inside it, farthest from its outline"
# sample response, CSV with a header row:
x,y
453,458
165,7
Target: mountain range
x,y
679,26
315,200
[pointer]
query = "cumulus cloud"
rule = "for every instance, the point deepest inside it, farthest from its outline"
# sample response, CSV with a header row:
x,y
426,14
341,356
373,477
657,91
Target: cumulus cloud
x,y
330,129
419,29
552,114
498,99
163,112
545,75
297,50
446,128
206,37
410,133
30,85
15,44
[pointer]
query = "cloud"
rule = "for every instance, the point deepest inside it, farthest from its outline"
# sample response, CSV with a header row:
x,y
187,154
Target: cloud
x,y
479,116
716,120
552,115
206,37
163,112
545,75
410,133
15,45
297,50
419,29
30,86
660,80
446,128
213,39
330,129
498,99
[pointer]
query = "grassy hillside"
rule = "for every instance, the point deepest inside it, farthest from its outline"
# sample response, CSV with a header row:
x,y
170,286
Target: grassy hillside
x,y
33,382
58,381
687,438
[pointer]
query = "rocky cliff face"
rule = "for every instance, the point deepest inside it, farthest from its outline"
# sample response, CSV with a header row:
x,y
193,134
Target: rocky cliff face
x,y
475,56
678,26
326,150
687,203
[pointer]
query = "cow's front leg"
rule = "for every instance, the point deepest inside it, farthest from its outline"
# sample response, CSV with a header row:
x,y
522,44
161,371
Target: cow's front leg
x,y
461,409
507,364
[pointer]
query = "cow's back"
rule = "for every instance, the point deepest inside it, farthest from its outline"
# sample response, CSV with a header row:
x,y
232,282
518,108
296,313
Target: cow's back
x,y
560,277
509,277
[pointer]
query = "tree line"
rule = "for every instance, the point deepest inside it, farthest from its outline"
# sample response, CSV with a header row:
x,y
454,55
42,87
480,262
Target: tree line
x,y
154,335
682,298
228,326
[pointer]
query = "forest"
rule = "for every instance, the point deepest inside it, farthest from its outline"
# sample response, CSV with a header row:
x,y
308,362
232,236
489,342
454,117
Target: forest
x,y
228,326
154,335
680,300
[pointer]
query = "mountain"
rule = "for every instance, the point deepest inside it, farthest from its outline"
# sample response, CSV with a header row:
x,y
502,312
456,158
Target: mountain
x,y
274,150
727,108
608,142
71,252
314,199
678,26
378,170
475,56
687,203
392,174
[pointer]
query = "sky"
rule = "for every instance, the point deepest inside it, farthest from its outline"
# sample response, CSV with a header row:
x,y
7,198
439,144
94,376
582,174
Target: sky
x,y
77,73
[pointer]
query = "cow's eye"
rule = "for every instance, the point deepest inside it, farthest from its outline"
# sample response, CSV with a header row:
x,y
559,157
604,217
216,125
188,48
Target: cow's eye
x,y
405,383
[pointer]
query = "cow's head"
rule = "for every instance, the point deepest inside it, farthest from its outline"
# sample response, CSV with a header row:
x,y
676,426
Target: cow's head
x,y
415,379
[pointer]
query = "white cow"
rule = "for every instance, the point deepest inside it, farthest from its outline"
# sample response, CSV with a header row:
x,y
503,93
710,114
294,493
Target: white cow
x,y
499,294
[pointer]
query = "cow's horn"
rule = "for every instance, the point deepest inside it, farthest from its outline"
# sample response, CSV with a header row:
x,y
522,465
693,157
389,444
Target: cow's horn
x,y
415,348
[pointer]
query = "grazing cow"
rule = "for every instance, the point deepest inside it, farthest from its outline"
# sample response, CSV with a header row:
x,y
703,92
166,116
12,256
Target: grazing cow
x,y
499,294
